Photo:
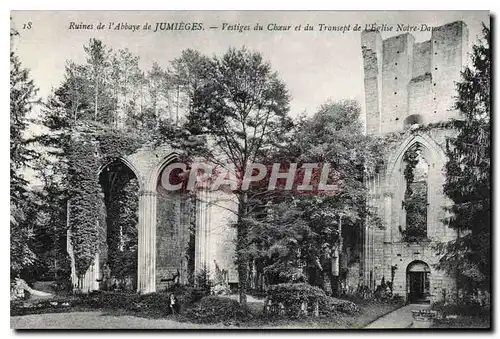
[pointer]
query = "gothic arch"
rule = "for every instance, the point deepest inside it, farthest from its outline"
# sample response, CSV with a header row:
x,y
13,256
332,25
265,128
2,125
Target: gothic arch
x,y
127,162
433,152
147,227
395,182
114,176
152,180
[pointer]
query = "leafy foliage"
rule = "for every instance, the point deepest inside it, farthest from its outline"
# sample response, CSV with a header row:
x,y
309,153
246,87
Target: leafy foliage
x,y
84,204
22,256
304,231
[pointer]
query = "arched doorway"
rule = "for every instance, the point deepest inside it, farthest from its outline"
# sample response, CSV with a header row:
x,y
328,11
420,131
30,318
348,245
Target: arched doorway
x,y
418,282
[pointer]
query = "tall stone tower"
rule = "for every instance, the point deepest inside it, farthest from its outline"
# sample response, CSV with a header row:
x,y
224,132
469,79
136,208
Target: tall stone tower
x,y
409,94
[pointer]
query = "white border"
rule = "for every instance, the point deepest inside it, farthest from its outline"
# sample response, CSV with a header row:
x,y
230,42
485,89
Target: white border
x,y
201,5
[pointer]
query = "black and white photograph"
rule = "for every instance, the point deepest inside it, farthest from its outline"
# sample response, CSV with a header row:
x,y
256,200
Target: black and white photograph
x,y
263,170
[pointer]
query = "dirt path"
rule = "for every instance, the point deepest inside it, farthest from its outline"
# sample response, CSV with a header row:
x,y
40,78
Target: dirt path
x,y
400,318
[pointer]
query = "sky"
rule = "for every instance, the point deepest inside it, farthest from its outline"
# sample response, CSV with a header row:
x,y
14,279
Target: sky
x,y
315,65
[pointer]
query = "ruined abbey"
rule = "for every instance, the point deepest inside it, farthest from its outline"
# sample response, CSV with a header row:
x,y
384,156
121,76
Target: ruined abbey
x,y
409,94
168,224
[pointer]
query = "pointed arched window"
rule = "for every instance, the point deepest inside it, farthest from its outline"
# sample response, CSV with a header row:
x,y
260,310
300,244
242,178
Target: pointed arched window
x,y
415,198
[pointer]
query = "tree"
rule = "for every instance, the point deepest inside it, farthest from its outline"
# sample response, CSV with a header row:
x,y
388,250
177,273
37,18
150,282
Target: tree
x,y
98,69
242,106
318,228
22,98
468,175
186,76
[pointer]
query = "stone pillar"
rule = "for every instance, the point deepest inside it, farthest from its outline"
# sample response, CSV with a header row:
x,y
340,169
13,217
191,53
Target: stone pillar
x,y
201,241
387,234
146,263
388,217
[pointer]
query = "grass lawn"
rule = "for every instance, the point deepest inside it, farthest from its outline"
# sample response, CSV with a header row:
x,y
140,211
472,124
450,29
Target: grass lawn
x,y
464,322
87,317
100,320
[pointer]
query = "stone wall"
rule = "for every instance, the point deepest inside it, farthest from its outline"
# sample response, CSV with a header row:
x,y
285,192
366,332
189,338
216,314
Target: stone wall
x,y
417,80
215,244
172,238
414,78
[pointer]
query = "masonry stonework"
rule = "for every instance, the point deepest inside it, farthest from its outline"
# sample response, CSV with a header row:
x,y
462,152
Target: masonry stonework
x,y
409,85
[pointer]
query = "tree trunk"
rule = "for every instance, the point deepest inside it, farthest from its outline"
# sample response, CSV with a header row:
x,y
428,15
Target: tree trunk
x,y
334,283
241,248
335,262
334,272
96,95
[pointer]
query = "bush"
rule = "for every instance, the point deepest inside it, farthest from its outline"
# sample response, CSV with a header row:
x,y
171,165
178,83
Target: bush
x,y
462,308
345,306
157,304
214,309
113,300
292,297
186,295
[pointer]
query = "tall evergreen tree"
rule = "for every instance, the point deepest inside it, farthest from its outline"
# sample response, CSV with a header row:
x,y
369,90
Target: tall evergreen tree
x,y
22,99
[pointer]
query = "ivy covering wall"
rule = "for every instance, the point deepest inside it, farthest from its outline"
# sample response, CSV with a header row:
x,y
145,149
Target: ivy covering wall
x,y
91,147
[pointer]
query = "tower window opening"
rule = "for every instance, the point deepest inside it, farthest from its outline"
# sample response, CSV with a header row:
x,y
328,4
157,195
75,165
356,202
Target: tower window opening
x,y
414,119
